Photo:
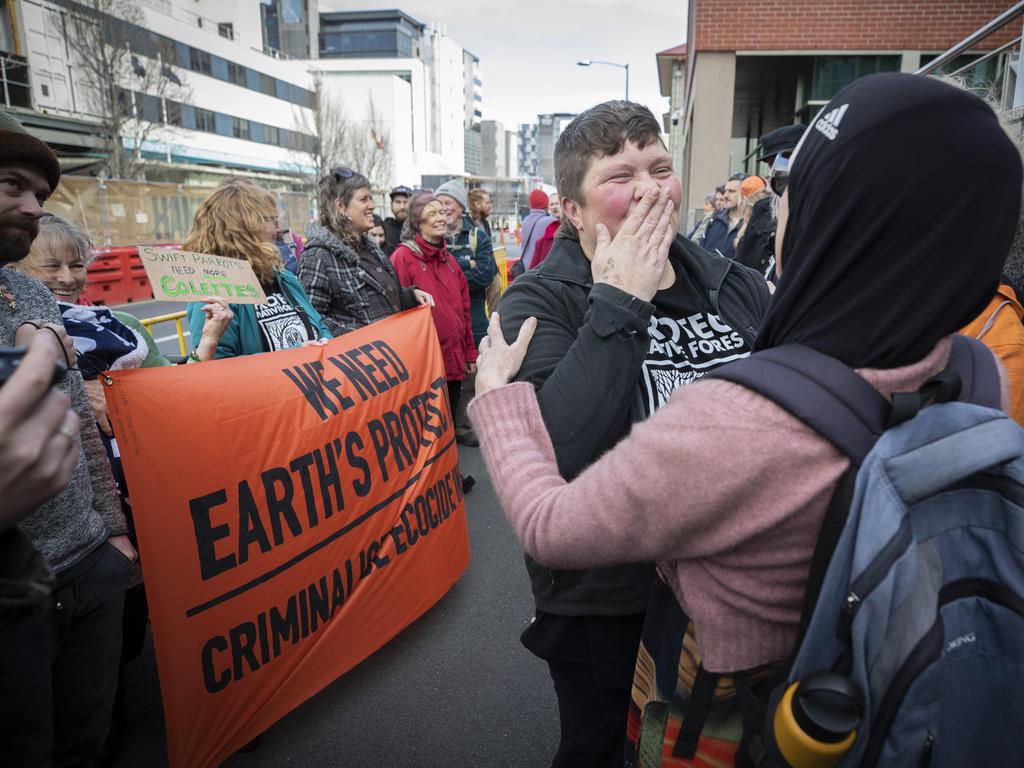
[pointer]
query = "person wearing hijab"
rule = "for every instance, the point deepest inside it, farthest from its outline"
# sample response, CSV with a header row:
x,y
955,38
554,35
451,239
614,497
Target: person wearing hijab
x,y
724,489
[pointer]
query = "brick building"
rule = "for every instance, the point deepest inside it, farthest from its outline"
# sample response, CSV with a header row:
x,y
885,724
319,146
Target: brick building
x,y
760,65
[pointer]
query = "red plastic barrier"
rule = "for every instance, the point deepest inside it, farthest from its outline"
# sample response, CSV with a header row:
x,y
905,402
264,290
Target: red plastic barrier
x,y
509,277
117,276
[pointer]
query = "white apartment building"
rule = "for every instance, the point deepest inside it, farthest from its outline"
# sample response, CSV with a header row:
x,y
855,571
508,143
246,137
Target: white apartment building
x,y
424,140
403,62
247,106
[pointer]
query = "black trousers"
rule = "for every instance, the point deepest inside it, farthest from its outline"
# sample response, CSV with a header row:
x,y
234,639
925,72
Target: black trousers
x,y
591,661
454,393
592,717
58,675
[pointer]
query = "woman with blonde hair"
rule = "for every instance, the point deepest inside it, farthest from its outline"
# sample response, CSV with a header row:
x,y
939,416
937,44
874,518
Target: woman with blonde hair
x,y
240,221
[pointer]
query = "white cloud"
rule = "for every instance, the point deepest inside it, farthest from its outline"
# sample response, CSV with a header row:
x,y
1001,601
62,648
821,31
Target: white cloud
x,y
528,50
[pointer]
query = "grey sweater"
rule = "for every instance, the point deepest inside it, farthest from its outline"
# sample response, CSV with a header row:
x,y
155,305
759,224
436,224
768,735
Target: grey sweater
x,y
82,516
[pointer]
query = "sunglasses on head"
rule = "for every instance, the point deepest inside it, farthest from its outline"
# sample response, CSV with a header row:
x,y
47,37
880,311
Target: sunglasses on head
x,y
343,173
779,178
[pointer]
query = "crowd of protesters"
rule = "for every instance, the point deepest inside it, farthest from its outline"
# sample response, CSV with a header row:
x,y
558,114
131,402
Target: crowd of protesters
x,y
617,466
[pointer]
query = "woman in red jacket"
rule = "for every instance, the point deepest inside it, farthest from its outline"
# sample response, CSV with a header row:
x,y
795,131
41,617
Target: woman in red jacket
x,y
422,260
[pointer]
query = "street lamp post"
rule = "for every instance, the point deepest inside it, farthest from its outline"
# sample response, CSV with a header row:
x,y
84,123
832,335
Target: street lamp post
x,y
588,62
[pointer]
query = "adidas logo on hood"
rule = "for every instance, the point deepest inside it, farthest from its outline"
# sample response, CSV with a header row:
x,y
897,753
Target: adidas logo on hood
x,y
829,124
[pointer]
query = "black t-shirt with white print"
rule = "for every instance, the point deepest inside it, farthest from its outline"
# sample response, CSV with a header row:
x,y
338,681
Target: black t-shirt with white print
x,y
687,340
281,324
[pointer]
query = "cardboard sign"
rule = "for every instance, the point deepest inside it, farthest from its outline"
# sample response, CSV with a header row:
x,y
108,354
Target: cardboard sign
x,y
188,276
295,511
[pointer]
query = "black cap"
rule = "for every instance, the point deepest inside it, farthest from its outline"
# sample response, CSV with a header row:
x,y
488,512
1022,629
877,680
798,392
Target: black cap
x,y
400,190
780,140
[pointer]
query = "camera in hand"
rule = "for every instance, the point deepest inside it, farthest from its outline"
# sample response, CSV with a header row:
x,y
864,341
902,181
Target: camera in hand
x,y
11,357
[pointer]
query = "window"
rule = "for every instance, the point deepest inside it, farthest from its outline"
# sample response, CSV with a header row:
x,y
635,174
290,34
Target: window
x,y
174,116
149,108
271,135
205,121
226,29
182,56
267,85
236,73
833,73
200,61
239,128
219,68
222,124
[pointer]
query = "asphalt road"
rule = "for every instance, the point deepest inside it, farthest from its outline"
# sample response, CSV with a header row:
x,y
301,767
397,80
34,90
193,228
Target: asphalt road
x,y
454,690
164,333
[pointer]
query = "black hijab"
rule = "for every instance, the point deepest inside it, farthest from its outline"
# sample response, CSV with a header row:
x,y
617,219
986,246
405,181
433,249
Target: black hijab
x,y
903,202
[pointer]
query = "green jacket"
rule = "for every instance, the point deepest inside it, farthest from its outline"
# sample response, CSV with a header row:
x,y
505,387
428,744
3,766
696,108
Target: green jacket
x,y
242,336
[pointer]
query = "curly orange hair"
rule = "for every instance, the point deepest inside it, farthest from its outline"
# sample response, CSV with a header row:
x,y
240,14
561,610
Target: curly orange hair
x,y
231,222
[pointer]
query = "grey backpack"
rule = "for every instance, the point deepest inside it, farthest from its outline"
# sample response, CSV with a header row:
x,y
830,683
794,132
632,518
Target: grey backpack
x,y
912,632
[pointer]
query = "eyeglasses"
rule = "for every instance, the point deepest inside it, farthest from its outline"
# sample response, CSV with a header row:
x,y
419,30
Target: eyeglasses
x,y
342,173
779,179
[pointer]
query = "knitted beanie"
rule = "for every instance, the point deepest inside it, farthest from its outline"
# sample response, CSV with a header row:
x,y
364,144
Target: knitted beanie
x,y
539,199
18,146
455,190
416,206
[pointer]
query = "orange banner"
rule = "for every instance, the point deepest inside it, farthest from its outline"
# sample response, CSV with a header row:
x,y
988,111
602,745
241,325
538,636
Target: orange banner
x,y
295,511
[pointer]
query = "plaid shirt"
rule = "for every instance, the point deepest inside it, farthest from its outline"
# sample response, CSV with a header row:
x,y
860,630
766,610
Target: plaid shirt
x,y
346,295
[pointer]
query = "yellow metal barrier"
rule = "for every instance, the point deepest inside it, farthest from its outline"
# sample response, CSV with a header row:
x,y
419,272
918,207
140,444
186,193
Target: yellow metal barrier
x,y
500,281
176,318
501,262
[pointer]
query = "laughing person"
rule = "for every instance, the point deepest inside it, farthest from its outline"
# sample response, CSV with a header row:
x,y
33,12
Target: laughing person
x,y
347,277
611,346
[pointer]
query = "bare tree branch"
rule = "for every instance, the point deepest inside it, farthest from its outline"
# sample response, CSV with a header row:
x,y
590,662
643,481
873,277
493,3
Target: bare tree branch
x,y
363,146
126,83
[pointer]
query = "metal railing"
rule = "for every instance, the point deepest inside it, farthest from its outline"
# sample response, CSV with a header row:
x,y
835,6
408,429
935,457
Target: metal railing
x,y
973,39
176,318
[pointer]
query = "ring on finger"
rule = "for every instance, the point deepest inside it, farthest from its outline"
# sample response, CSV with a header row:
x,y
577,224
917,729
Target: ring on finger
x,y
65,430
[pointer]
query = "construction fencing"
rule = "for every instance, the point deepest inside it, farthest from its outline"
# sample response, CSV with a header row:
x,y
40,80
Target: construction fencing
x,y
121,212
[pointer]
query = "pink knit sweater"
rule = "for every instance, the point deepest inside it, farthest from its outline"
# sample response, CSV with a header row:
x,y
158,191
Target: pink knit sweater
x,y
722,487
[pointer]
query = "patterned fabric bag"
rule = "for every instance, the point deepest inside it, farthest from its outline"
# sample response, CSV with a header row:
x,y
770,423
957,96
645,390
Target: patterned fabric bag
x,y
680,714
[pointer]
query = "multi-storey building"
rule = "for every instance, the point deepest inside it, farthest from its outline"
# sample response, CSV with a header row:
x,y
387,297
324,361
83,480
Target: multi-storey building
x,y
758,66
370,35
401,62
289,27
527,149
235,107
499,156
473,92
537,145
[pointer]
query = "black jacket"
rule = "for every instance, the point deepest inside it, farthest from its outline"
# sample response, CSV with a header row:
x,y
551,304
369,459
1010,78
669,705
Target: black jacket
x,y
720,235
392,234
757,247
585,361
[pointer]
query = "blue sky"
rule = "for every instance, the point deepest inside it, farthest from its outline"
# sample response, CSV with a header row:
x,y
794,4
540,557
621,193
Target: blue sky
x,y
528,49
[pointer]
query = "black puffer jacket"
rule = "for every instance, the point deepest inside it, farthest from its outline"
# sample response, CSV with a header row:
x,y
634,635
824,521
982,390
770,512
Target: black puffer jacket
x,y
585,361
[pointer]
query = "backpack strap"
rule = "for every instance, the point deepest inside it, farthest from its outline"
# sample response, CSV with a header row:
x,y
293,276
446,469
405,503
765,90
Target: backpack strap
x,y
823,393
697,710
979,373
